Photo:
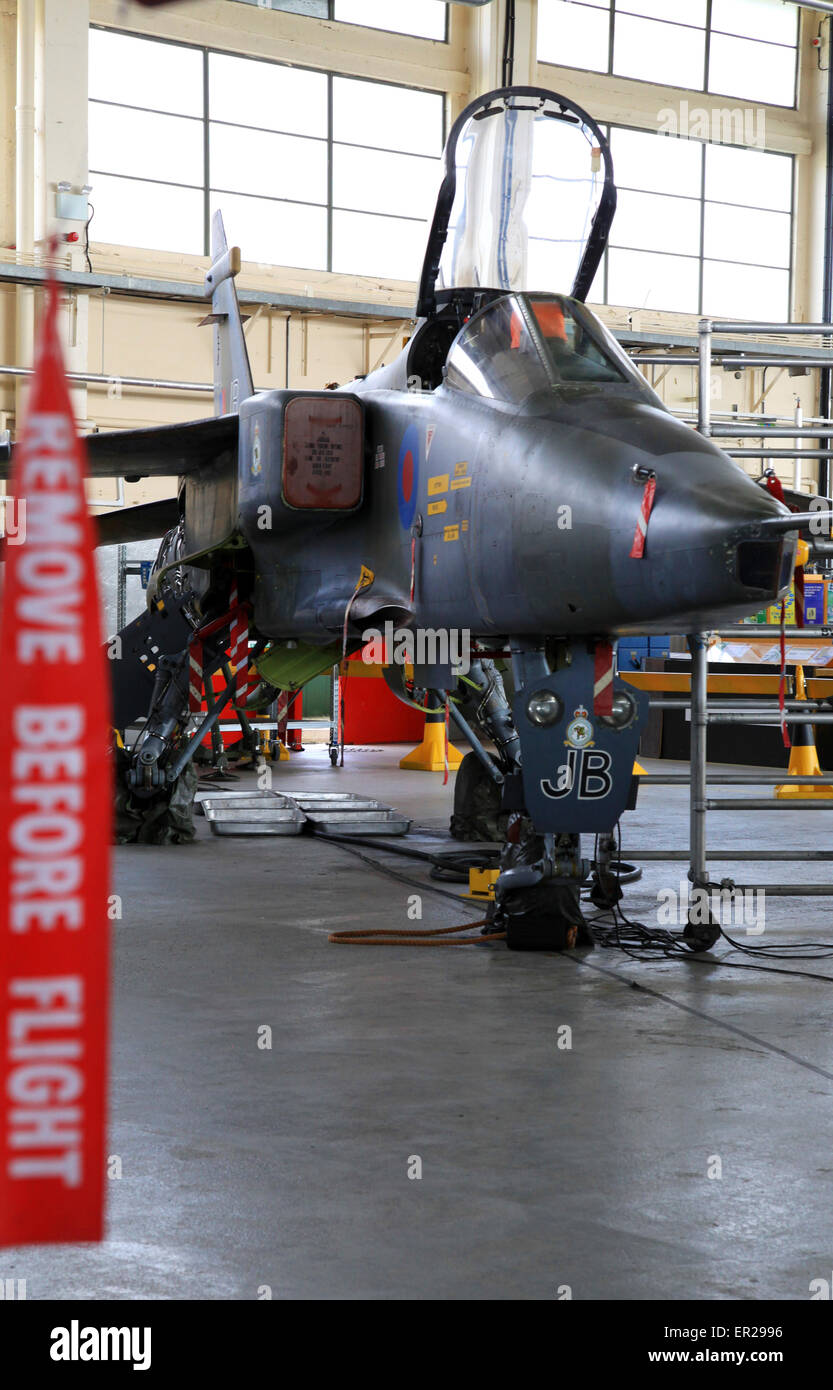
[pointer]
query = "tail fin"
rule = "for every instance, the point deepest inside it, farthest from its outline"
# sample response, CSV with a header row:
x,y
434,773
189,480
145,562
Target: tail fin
x,y
232,370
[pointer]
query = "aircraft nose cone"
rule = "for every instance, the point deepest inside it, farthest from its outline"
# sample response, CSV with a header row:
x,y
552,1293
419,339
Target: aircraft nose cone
x,y
702,550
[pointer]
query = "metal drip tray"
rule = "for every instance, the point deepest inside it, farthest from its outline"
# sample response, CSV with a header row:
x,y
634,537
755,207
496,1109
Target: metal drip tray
x,y
319,804
346,813
264,813
223,798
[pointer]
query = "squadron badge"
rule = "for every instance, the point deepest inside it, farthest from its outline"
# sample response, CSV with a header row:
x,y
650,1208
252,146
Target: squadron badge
x,y
579,730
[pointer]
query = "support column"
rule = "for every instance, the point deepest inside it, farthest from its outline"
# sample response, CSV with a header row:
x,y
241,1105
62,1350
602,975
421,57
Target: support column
x,y
699,646
486,45
51,131
25,175
526,43
63,88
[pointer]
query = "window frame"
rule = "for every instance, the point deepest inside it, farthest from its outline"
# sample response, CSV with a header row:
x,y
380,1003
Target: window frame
x,y
355,24
207,189
703,201
619,7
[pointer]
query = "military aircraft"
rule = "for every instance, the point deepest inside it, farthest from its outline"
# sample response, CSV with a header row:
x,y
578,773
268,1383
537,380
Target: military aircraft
x,y
510,475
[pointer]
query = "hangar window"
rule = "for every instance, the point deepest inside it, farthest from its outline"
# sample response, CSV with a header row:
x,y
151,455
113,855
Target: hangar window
x,y
426,19
383,194
146,142
177,131
699,228
268,158
314,9
741,48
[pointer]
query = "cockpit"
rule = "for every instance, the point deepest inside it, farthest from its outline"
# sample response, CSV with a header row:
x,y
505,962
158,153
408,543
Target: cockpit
x,y
524,344
524,207
521,344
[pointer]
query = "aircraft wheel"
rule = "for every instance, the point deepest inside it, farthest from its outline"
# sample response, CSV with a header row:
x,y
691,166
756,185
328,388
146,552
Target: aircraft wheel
x,y
477,814
167,818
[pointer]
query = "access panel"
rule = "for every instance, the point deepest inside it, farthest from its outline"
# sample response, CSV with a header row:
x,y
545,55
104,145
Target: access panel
x,y
323,453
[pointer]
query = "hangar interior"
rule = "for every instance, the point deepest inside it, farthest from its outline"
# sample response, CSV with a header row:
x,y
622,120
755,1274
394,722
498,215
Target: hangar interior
x,y
471,1123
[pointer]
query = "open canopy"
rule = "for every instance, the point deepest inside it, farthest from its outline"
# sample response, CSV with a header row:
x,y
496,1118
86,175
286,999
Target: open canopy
x,y
526,201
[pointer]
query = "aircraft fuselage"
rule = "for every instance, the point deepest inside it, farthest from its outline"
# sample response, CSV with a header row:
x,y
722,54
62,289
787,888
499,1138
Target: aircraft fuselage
x,y
522,521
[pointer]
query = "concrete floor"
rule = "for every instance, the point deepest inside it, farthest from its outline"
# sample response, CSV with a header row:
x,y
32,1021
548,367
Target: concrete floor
x,y
541,1167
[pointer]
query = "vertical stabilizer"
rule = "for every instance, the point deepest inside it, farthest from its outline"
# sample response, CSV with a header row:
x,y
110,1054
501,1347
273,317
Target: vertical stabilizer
x,y
232,371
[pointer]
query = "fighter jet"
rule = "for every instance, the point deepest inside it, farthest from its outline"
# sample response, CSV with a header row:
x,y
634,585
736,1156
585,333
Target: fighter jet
x,y
510,476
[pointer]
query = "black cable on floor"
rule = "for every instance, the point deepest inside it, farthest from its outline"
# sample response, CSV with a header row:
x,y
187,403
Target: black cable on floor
x,y
644,943
450,866
634,939
340,843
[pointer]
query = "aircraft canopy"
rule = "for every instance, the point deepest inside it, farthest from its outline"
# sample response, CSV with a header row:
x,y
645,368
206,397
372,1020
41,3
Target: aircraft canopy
x,y
520,344
526,201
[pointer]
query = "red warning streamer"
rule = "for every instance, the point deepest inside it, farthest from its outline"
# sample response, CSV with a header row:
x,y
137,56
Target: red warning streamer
x,y
55,830
603,679
195,677
239,647
640,535
773,486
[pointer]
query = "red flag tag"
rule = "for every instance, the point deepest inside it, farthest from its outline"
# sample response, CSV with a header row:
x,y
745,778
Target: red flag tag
x,y
195,677
239,647
640,535
603,679
55,830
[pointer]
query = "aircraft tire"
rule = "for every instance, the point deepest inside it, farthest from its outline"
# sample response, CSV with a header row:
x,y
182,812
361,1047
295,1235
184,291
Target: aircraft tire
x,y
477,814
164,819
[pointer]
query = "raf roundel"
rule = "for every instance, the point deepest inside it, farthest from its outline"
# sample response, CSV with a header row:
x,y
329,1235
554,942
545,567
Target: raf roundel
x,y
408,476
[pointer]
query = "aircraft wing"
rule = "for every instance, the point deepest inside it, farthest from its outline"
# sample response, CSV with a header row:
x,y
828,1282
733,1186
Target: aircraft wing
x,y
161,451
148,522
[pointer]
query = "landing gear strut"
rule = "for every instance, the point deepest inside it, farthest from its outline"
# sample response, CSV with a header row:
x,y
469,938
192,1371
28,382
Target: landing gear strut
x,y
563,767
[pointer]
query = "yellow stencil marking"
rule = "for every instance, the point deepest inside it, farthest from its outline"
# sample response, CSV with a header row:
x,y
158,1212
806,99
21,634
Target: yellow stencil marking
x,y
451,533
460,469
438,484
465,526
435,507
460,482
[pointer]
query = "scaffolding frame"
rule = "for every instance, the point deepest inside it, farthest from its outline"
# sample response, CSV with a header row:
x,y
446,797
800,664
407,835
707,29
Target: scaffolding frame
x,y
727,711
